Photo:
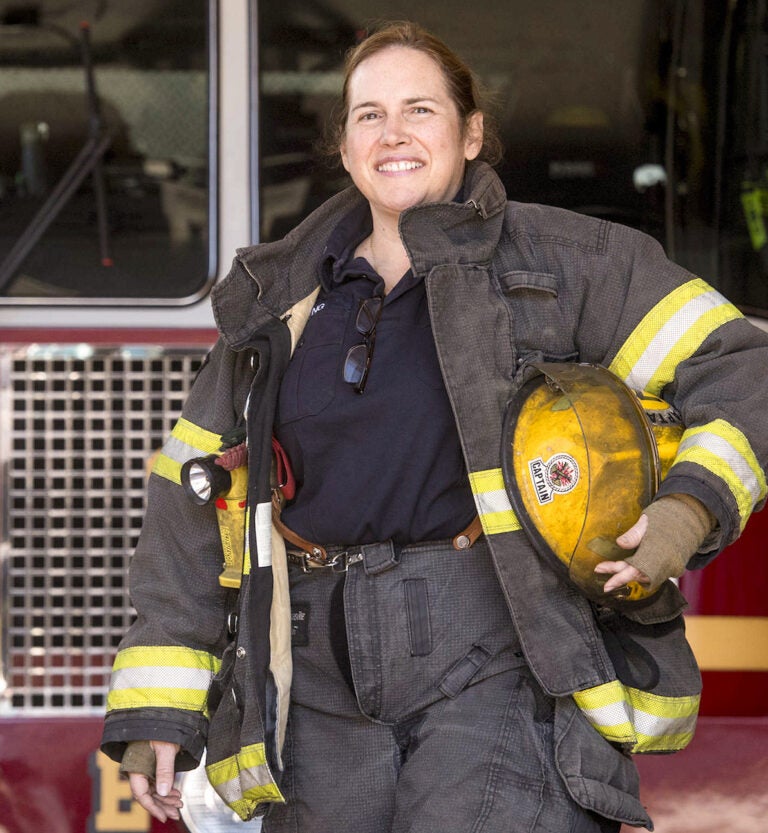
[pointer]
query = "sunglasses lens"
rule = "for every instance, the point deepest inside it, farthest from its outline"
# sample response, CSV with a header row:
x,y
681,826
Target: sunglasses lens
x,y
354,366
368,314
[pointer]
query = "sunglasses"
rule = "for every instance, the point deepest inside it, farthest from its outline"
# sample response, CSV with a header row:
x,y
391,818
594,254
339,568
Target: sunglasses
x,y
359,357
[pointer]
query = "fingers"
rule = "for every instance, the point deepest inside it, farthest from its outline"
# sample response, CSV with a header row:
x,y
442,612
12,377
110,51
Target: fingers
x,y
634,535
160,807
165,759
623,573
159,797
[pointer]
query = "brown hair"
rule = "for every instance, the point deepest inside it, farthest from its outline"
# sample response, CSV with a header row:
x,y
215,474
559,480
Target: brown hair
x,y
462,84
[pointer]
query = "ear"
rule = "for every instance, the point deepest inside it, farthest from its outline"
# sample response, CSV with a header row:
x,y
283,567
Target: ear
x,y
343,153
473,135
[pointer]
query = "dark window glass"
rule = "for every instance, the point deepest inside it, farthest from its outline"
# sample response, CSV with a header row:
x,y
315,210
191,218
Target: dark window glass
x,y
652,113
103,149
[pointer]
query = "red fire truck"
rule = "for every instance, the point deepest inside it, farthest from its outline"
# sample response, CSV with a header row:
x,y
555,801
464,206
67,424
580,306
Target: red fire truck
x,y
142,142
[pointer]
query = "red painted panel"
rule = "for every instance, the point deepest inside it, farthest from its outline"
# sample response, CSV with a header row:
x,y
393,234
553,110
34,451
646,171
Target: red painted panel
x,y
737,693
110,335
736,582
53,780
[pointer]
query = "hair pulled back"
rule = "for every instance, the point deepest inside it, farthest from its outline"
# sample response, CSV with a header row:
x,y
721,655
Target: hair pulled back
x,y
462,84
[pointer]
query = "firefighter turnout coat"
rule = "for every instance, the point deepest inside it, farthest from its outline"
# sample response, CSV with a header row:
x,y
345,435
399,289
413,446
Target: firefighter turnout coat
x,y
507,284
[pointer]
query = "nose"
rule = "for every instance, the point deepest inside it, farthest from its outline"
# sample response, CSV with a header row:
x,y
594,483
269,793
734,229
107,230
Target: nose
x,y
394,130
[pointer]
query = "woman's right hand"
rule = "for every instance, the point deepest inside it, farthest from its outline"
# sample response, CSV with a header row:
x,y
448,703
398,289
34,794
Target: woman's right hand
x,y
156,795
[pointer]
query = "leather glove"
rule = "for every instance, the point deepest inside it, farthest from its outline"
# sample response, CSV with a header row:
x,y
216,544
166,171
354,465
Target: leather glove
x,y
675,527
139,757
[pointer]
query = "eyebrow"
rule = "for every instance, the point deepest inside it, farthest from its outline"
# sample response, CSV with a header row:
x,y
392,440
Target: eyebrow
x,y
415,100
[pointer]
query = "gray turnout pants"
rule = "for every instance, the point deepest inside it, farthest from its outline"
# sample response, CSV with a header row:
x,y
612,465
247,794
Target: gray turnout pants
x,y
412,708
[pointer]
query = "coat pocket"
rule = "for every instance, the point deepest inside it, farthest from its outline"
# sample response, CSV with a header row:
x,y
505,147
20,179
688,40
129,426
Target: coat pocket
x,y
541,322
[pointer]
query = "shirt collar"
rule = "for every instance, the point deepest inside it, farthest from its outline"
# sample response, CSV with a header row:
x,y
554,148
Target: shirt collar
x,y
341,245
338,262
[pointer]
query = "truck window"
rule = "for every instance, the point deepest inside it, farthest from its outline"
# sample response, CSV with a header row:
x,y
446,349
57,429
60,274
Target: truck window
x,y
104,150
645,113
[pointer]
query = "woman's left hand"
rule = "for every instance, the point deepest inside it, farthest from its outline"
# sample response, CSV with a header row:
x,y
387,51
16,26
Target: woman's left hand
x,y
667,534
623,571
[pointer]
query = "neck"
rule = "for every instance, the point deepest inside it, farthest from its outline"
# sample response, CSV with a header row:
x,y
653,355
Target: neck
x,y
386,253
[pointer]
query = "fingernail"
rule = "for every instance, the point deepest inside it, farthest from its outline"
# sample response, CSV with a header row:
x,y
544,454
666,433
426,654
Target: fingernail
x,y
162,789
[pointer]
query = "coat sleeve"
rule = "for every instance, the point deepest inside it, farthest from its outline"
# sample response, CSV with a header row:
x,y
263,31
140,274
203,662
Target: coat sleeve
x,y
168,658
670,333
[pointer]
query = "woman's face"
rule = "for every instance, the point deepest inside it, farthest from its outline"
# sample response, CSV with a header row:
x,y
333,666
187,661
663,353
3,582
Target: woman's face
x,y
403,144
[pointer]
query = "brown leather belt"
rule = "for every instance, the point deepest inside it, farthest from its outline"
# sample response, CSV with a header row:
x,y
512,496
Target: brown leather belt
x,y
315,555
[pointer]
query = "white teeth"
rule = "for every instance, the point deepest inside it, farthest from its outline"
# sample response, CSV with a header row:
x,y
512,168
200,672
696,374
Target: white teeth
x,y
391,167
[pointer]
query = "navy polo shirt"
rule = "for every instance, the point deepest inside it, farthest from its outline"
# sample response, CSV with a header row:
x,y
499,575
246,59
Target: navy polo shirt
x,y
387,463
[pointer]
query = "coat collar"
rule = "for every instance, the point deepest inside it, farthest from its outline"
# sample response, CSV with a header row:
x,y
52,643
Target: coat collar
x,y
267,280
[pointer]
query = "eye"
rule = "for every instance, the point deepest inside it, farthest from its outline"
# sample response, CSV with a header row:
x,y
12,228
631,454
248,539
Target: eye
x,y
370,116
418,112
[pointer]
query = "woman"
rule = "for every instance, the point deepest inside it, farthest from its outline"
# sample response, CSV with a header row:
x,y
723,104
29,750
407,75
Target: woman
x,y
441,681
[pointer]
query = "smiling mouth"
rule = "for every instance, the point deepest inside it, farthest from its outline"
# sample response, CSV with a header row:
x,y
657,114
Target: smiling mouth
x,y
395,167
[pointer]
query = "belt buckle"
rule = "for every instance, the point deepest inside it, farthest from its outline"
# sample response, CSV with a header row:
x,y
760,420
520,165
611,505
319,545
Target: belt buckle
x,y
338,562
341,562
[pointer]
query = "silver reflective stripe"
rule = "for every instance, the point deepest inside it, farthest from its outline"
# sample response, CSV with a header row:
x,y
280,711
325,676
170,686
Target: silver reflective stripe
x,y
161,677
264,534
654,726
179,451
720,447
490,502
669,335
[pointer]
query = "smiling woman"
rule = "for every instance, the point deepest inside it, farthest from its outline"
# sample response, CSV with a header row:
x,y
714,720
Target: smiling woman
x,y
439,667
405,143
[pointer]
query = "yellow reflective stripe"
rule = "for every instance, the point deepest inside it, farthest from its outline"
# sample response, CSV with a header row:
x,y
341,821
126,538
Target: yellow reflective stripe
x,y
722,449
244,781
166,655
161,677
607,709
650,722
667,743
167,468
186,699
247,543
187,440
190,434
670,333
492,502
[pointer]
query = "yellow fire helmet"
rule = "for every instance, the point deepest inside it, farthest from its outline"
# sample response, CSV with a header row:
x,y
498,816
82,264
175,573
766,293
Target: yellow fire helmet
x,y
582,456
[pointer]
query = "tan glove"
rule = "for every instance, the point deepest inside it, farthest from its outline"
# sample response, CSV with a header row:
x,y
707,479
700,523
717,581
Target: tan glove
x,y
139,757
677,526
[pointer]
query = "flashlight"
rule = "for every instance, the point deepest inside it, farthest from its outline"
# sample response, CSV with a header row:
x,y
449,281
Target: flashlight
x,y
205,481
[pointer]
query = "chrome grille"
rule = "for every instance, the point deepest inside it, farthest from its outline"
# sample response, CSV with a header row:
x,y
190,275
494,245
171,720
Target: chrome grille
x,y
77,429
